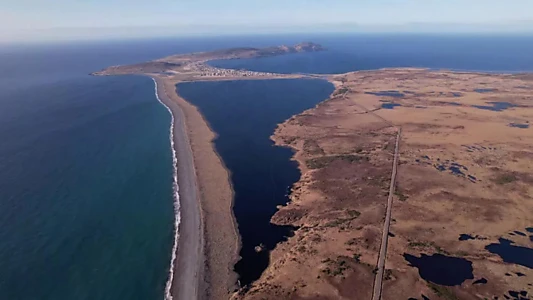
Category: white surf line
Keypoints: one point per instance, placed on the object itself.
(168, 287)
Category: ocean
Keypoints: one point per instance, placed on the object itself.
(86, 199)
(86, 203)
(346, 53)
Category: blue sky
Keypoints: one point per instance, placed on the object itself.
(79, 18)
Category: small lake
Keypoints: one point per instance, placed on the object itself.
(512, 253)
(482, 91)
(466, 237)
(442, 269)
(390, 105)
(245, 114)
(519, 125)
(495, 106)
(394, 94)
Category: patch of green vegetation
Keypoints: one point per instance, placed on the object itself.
(337, 267)
(316, 238)
(289, 140)
(429, 245)
(312, 147)
(505, 178)
(401, 196)
(420, 244)
(326, 271)
(321, 162)
(353, 213)
(335, 223)
(351, 242)
(341, 266)
(340, 91)
(440, 250)
(388, 274)
(442, 291)
(357, 257)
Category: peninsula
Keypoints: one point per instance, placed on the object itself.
(194, 67)
(440, 211)
(204, 208)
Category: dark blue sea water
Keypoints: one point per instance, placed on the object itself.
(344, 54)
(347, 53)
(86, 206)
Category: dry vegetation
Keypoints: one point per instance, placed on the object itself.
(464, 169)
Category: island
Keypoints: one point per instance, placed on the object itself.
(416, 184)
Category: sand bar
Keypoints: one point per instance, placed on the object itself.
(203, 271)
(208, 243)
(190, 254)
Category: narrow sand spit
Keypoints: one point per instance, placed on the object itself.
(203, 265)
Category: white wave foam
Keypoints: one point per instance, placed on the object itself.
(168, 287)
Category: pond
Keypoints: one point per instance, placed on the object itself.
(442, 269)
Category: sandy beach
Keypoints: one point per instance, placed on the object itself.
(202, 270)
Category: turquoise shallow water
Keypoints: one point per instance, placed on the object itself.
(86, 205)
(86, 195)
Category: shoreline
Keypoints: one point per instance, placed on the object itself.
(230, 282)
(215, 274)
(175, 187)
(187, 258)
(200, 270)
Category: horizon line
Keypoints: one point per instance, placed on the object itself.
(212, 34)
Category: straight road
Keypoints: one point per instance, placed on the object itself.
(378, 280)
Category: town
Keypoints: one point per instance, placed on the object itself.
(202, 69)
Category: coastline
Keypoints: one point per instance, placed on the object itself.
(200, 271)
(209, 243)
(187, 256)
(335, 249)
(177, 211)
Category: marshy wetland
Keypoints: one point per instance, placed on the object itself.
(462, 199)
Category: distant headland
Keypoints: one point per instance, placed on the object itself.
(193, 66)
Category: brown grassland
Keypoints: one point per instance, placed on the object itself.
(463, 170)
